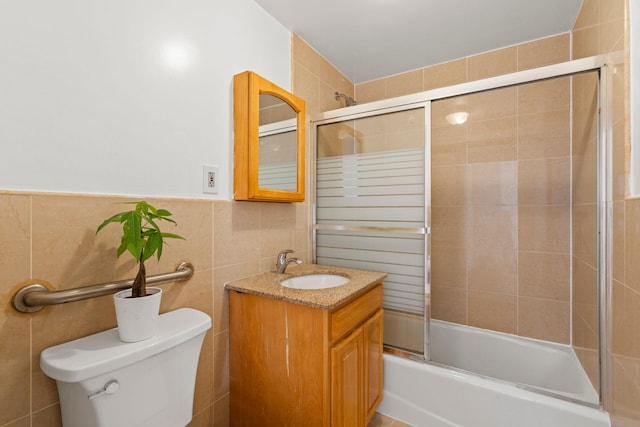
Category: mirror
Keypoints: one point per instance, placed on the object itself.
(269, 141)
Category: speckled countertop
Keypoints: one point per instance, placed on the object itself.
(268, 285)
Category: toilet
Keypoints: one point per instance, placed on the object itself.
(103, 382)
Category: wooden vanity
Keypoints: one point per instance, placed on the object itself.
(305, 357)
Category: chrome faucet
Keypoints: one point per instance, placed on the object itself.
(282, 261)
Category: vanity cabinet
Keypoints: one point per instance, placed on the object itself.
(295, 365)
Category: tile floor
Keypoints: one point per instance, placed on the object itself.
(380, 420)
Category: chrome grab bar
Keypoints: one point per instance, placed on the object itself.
(34, 297)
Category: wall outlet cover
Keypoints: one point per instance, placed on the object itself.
(210, 179)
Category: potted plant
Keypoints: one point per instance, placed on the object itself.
(137, 308)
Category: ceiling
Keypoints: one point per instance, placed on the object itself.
(369, 39)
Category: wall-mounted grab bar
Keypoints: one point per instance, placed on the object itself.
(34, 297)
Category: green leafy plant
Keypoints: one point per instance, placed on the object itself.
(141, 237)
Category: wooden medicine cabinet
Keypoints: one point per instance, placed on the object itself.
(269, 141)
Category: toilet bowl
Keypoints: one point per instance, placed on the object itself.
(104, 382)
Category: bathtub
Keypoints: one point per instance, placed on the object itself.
(430, 395)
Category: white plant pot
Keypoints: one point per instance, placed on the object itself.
(137, 317)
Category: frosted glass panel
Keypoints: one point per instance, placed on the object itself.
(370, 202)
(400, 255)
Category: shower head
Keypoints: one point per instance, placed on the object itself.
(348, 101)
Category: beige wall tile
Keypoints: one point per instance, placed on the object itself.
(449, 304)
(404, 120)
(449, 145)
(584, 169)
(445, 74)
(611, 36)
(585, 238)
(544, 275)
(611, 10)
(544, 135)
(585, 42)
(619, 178)
(584, 283)
(15, 245)
(302, 231)
(494, 104)
(220, 295)
(543, 319)
(632, 245)
(492, 249)
(494, 63)
(543, 228)
(585, 320)
(66, 250)
(49, 417)
(304, 54)
(404, 84)
(492, 184)
(493, 311)
(237, 233)
(448, 185)
(585, 109)
(626, 392)
(306, 86)
(548, 95)
(492, 140)
(221, 365)
(618, 258)
(588, 15)
(626, 321)
(14, 369)
(374, 90)
(195, 224)
(22, 422)
(544, 181)
(547, 51)
(448, 226)
(195, 293)
(276, 232)
(449, 266)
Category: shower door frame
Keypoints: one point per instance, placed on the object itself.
(601, 64)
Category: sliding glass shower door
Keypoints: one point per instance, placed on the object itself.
(371, 212)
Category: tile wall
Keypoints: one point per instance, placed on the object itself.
(602, 27)
(50, 238)
(500, 210)
(500, 192)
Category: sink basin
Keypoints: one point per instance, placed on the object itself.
(315, 281)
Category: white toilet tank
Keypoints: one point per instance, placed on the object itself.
(103, 382)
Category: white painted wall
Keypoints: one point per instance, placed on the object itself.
(127, 96)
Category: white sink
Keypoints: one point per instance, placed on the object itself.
(315, 281)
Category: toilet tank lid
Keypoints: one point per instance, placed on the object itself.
(94, 355)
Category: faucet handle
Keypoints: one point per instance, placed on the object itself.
(282, 255)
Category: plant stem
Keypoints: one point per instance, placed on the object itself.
(139, 288)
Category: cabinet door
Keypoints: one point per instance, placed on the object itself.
(347, 405)
(372, 332)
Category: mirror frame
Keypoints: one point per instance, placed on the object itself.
(247, 88)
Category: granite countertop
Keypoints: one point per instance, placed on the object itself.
(268, 285)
